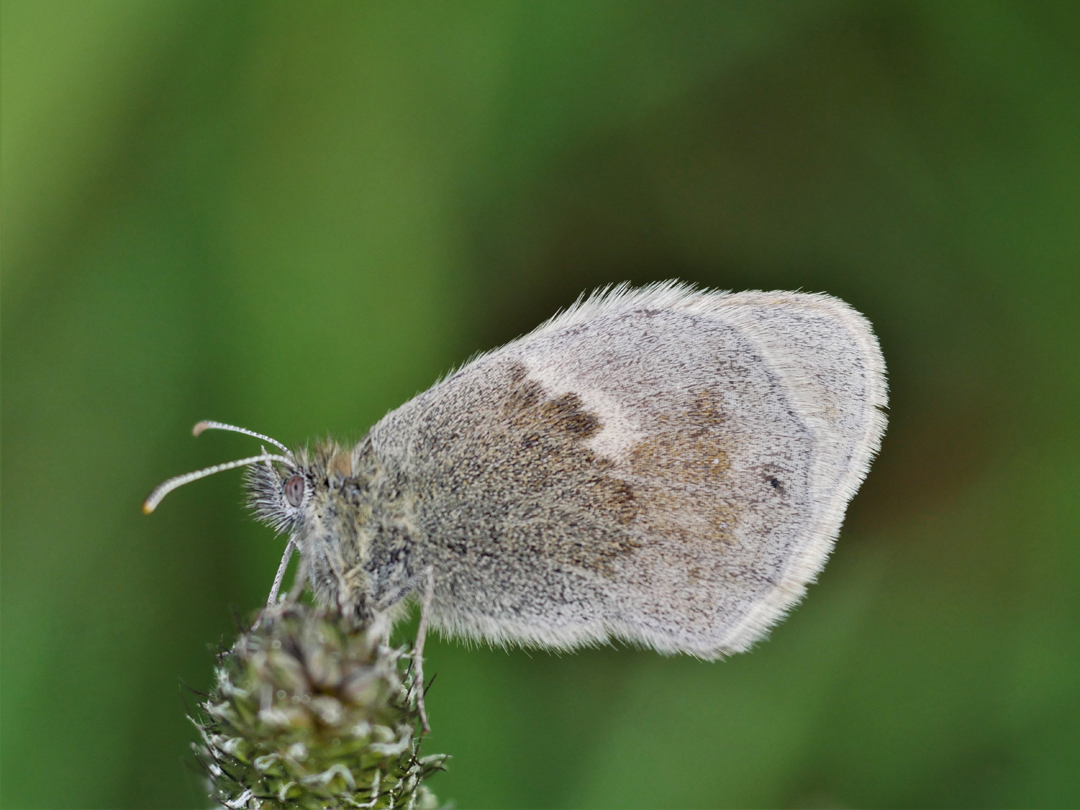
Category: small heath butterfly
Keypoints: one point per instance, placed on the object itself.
(668, 466)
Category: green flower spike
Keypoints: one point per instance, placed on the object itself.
(311, 712)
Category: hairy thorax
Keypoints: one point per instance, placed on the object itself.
(358, 534)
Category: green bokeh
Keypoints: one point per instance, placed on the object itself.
(295, 216)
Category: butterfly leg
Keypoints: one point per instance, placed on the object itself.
(418, 648)
(290, 547)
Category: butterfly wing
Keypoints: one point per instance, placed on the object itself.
(666, 466)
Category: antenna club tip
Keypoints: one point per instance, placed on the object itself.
(147, 507)
(199, 428)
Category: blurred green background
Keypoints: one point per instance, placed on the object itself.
(295, 216)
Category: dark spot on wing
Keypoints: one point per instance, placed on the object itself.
(521, 395)
(566, 414)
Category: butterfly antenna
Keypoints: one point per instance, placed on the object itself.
(210, 425)
(150, 504)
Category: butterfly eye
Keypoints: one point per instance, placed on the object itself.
(294, 490)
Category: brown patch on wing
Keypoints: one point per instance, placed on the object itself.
(692, 448)
(566, 414)
(683, 467)
(554, 460)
